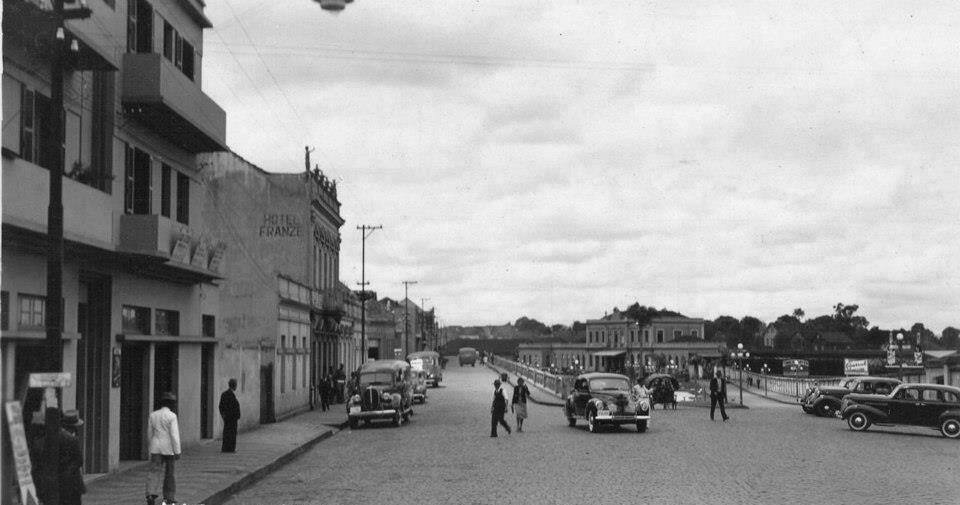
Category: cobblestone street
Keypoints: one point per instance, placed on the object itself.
(770, 453)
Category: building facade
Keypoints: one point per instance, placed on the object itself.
(281, 302)
(140, 304)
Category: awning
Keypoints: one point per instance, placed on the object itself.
(609, 354)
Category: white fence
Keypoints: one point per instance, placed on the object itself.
(558, 384)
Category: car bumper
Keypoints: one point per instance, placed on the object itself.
(371, 414)
(433, 381)
(620, 418)
(419, 396)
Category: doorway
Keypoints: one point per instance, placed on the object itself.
(93, 371)
(266, 394)
(206, 391)
(133, 400)
(165, 368)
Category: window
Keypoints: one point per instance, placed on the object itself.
(136, 320)
(183, 198)
(646, 336)
(4, 310)
(138, 187)
(293, 364)
(304, 379)
(283, 363)
(31, 312)
(209, 325)
(28, 126)
(168, 322)
(165, 180)
(659, 336)
(168, 37)
(932, 395)
(695, 333)
(186, 59)
(676, 334)
(908, 394)
(139, 27)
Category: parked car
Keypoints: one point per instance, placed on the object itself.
(825, 401)
(429, 362)
(467, 356)
(932, 405)
(419, 386)
(605, 399)
(385, 392)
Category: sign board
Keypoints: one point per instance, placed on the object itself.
(416, 364)
(796, 368)
(49, 380)
(115, 367)
(181, 251)
(854, 367)
(21, 453)
(200, 255)
(891, 355)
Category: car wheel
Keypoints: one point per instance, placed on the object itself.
(592, 425)
(826, 409)
(641, 426)
(353, 423)
(950, 427)
(858, 421)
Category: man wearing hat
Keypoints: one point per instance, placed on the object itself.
(498, 409)
(164, 436)
(69, 474)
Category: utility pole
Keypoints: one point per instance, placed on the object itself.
(406, 312)
(54, 304)
(423, 320)
(365, 231)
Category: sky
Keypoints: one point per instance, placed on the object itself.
(555, 159)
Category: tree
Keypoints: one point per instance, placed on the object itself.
(921, 335)
(750, 328)
(798, 314)
(950, 338)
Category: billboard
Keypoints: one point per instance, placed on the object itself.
(796, 367)
(854, 366)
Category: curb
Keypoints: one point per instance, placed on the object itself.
(251, 478)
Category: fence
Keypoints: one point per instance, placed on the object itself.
(558, 384)
(786, 386)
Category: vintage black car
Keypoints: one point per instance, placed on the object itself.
(825, 400)
(385, 392)
(932, 405)
(605, 399)
(663, 388)
(429, 362)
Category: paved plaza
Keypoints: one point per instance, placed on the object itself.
(770, 453)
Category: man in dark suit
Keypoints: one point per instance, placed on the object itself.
(718, 395)
(230, 412)
(69, 472)
(498, 409)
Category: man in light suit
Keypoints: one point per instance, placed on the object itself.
(718, 395)
(164, 436)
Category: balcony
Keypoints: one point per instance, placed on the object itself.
(158, 95)
(172, 249)
(87, 212)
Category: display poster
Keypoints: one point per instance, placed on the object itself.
(854, 366)
(21, 453)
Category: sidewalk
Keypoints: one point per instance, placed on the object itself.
(207, 476)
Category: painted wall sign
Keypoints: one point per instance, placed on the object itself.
(200, 255)
(280, 226)
(49, 380)
(181, 251)
(21, 453)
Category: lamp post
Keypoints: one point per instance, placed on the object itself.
(423, 322)
(765, 370)
(739, 355)
(406, 313)
(899, 359)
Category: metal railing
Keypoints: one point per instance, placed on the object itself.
(780, 385)
(559, 385)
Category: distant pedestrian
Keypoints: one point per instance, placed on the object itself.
(718, 395)
(518, 404)
(639, 390)
(341, 378)
(69, 474)
(325, 393)
(498, 409)
(164, 436)
(230, 412)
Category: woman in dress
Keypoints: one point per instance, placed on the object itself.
(519, 403)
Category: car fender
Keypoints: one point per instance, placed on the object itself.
(876, 414)
(826, 398)
(951, 413)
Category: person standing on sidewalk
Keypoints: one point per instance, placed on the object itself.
(498, 409)
(518, 404)
(164, 435)
(718, 395)
(230, 412)
(71, 460)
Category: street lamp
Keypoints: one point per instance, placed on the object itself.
(899, 359)
(765, 370)
(739, 355)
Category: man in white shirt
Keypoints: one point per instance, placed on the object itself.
(164, 436)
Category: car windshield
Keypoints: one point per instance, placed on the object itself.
(848, 384)
(376, 378)
(609, 383)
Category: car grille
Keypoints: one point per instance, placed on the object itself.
(371, 399)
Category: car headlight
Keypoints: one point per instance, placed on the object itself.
(355, 399)
(385, 396)
(601, 405)
(644, 405)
